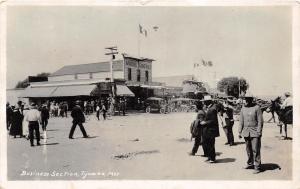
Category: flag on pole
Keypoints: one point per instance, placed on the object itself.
(141, 29)
(209, 63)
(204, 63)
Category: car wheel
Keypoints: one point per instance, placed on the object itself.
(162, 111)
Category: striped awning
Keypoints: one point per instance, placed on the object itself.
(58, 91)
(73, 90)
(37, 92)
(123, 90)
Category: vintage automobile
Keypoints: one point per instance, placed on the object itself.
(155, 104)
(183, 105)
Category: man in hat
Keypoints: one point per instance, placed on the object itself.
(228, 122)
(210, 129)
(78, 119)
(9, 113)
(44, 116)
(251, 125)
(33, 118)
(287, 107)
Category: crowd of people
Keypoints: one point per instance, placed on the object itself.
(210, 114)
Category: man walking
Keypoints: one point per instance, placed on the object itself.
(78, 119)
(33, 117)
(44, 117)
(228, 123)
(251, 124)
(210, 129)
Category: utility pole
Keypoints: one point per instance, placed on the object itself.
(113, 52)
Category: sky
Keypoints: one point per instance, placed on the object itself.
(250, 42)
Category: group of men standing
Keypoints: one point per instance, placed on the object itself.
(251, 125)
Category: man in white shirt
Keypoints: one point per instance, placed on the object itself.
(287, 107)
(33, 117)
(288, 101)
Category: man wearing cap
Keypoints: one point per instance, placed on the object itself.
(78, 119)
(251, 125)
(34, 118)
(210, 129)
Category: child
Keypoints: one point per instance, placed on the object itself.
(196, 131)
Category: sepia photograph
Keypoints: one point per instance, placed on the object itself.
(98, 93)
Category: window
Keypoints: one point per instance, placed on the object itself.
(138, 75)
(76, 76)
(91, 75)
(129, 74)
(147, 76)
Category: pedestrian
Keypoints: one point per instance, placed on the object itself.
(16, 122)
(9, 113)
(44, 117)
(272, 110)
(286, 108)
(56, 108)
(98, 112)
(78, 119)
(196, 131)
(52, 109)
(33, 117)
(251, 125)
(210, 129)
(227, 122)
(103, 110)
(65, 107)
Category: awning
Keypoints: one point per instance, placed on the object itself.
(123, 90)
(37, 92)
(73, 90)
(153, 86)
(187, 88)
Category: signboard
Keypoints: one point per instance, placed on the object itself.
(138, 64)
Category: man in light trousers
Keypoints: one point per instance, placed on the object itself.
(251, 125)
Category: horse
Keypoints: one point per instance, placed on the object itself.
(285, 116)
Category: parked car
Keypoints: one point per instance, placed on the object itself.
(183, 105)
(154, 104)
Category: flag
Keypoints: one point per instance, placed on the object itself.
(141, 29)
(209, 63)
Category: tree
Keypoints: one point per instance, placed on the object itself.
(233, 86)
(25, 82)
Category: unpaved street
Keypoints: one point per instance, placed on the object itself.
(141, 146)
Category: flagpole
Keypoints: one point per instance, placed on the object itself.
(139, 40)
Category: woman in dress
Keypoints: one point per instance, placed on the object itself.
(16, 123)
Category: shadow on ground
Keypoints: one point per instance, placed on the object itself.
(90, 137)
(49, 144)
(225, 160)
(269, 167)
(239, 143)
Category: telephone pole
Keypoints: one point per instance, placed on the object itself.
(113, 52)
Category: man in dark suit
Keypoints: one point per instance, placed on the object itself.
(78, 119)
(44, 117)
(251, 124)
(210, 129)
